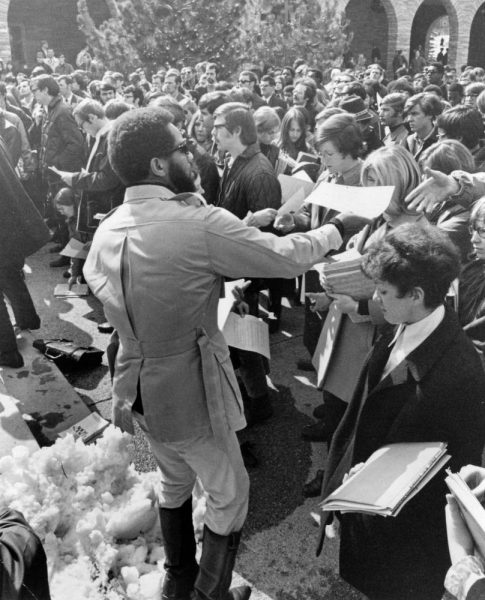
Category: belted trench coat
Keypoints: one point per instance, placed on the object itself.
(158, 266)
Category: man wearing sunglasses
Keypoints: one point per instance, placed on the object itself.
(157, 263)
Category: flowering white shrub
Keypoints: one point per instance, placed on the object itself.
(96, 515)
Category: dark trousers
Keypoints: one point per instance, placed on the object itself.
(313, 323)
(12, 285)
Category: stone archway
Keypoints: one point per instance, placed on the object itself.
(476, 49)
(427, 14)
(28, 22)
(374, 24)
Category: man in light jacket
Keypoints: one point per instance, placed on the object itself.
(157, 263)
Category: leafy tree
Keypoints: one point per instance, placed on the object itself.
(279, 32)
(152, 33)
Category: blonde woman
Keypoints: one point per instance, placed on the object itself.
(351, 326)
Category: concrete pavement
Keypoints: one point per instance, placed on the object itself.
(277, 554)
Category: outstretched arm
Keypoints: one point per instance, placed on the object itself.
(464, 188)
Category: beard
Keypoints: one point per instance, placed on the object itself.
(181, 180)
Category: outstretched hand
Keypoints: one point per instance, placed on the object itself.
(319, 302)
(435, 189)
(240, 305)
(261, 218)
(345, 304)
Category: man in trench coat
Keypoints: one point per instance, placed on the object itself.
(157, 263)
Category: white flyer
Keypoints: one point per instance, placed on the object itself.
(247, 333)
(292, 183)
(367, 202)
(293, 204)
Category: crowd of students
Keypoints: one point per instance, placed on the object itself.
(347, 127)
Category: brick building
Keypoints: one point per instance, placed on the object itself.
(406, 25)
(25, 23)
(384, 24)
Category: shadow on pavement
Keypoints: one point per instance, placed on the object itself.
(284, 464)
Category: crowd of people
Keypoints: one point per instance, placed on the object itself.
(172, 184)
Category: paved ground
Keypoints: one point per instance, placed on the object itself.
(278, 550)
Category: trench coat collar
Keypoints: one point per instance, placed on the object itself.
(147, 190)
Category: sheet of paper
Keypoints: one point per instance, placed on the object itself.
(248, 333)
(290, 184)
(79, 290)
(293, 204)
(367, 202)
(304, 177)
(87, 429)
(226, 303)
(75, 249)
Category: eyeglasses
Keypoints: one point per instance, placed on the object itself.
(480, 230)
(244, 81)
(182, 147)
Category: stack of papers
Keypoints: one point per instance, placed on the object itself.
(342, 274)
(389, 479)
(78, 290)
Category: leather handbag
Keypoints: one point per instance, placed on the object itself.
(67, 354)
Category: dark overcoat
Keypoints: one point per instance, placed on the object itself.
(436, 394)
(22, 229)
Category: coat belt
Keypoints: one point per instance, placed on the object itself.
(214, 358)
(161, 348)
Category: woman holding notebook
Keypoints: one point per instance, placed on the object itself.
(422, 382)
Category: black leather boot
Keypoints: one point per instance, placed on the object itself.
(215, 568)
(179, 544)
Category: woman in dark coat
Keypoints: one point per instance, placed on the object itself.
(434, 393)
